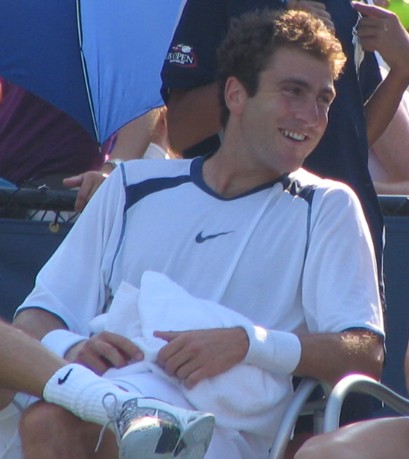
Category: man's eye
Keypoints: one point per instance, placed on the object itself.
(294, 90)
(325, 100)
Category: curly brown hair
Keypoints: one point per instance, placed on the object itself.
(253, 38)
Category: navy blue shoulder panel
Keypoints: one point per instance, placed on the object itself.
(138, 191)
(307, 193)
(304, 192)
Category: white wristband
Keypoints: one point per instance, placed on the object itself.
(60, 341)
(275, 351)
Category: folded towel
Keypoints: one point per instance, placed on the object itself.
(245, 398)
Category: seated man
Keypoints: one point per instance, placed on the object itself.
(246, 230)
(374, 439)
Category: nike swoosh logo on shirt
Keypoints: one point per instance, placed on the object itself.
(200, 238)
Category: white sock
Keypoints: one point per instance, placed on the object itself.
(81, 391)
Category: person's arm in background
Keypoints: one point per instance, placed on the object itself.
(389, 156)
(380, 30)
(391, 188)
(131, 143)
(388, 130)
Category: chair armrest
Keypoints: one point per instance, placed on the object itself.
(297, 406)
(364, 385)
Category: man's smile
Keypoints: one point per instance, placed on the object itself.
(293, 135)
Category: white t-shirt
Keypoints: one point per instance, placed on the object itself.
(248, 253)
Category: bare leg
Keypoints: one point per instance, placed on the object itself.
(51, 432)
(295, 444)
(377, 439)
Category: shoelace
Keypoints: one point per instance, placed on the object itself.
(131, 408)
(113, 411)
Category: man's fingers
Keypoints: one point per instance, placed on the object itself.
(84, 194)
(194, 378)
(372, 10)
(78, 181)
(74, 181)
(185, 371)
(125, 346)
(173, 365)
(181, 363)
(88, 183)
(94, 362)
(169, 351)
(166, 335)
(108, 350)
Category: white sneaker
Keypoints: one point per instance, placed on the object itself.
(149, 428)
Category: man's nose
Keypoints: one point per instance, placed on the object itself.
(312, 114)
(309, 112)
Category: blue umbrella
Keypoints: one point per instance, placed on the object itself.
(97, 60)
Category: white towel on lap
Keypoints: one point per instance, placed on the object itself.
(245, 398)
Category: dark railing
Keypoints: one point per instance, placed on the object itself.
(44, 198)
(37, 198)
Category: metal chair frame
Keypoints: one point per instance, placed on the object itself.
(364, 385)
(300, 406)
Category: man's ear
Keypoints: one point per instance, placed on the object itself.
(235, 96)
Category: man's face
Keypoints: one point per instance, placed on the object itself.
(288, 115)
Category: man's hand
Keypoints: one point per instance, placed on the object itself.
(195, 355)
(104, 351)
(88, 183)
(380, 30)
(382, 3)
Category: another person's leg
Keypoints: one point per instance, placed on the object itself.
(376, 439)
(49, 431)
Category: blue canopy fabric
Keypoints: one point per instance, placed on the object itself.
(129, 41)
(108, 80)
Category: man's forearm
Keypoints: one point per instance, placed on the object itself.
(329, 356)
(37, 322)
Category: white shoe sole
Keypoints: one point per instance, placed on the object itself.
(195, 440)
(142, 443)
